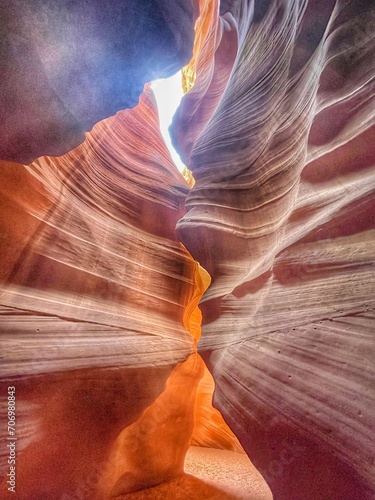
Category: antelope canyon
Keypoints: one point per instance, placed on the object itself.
(199, 335)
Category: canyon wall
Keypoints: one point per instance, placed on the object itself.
(97, 299)
(280, 140)
(99, 319)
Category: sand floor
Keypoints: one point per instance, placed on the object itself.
(210, 474)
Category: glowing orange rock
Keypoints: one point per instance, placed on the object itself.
(210, 429)
(99, 300)
(94, 287)
(153, 449)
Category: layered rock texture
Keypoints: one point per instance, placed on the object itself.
(99, 293)
(280, 141)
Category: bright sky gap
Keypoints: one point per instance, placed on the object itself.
(168, 93)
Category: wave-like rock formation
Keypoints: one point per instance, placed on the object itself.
(94, 301)
(99, 317)
(280, 141)
(90, 237)
(100, 320)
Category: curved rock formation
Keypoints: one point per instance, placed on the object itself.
(99, 298)
(282, 217)
(90, 237)
(99, 302)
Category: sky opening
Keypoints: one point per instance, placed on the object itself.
(168, 93)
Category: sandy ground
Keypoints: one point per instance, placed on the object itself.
(210, 474)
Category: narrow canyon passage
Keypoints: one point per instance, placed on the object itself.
(206, 335)
(106, 412)
(110, 412)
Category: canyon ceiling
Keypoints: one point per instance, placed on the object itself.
(106, 250)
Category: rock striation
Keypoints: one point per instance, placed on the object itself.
(282, 217)
(100, 318)
(99, 295)
(98, 305)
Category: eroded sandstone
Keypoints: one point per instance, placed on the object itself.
(99, 298)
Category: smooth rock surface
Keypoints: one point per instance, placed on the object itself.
(282, 217)
(99, 319)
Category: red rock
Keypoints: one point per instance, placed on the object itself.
(98, 295)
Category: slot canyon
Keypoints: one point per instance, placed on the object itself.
(199, 335)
